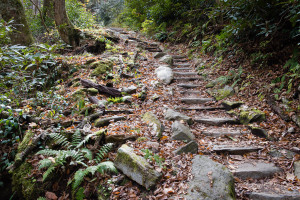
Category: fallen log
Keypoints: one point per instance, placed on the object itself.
(107, 91)
(277, 109)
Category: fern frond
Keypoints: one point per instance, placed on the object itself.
(78, 178)
(87, 153)
(106, 166)
(85, 140)
(60, 140)
(48, 152)
(41, 198)
(103, 152)
(45, 163)
(48, 172)
(80, 194)
(76, 138)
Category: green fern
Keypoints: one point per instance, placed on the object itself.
(87, 153)
(85, 140)
(76, 138)
(60, 140)
(103, 167)
(80, 194)
(103, 152)
(48, 152)
(41, 198)
(45, 163)
(48, 172)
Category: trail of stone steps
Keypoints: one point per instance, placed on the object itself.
(216, 180)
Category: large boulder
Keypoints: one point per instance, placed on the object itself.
(181, 132)
(165, 74)
(212, 181)
(136, 167)
(191, 147)
(249, 116)
(154, 122)
(172, 115)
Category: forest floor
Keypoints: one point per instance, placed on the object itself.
(279, 147)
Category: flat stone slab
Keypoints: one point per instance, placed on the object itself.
(181, 65)
(268, 196)
(178, 57)
(182, 69)
(234, 150)
(199, 108)
(136, 167)
(211, 181)
(221, 132)
(190, 92)
(185, 73)
(297, 169)
(196, 100)
(216, 121)
(188, 85)
(256, 170)
(187, 78)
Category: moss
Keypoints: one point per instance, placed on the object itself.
(79, 94)
(231, 189)
(149, 117)
(25, 187)
(26, 141)
(223, 93)
(92, 91)
(101, 67)
(247, 117)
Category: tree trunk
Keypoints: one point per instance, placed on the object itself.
(68, 33)
(13, 9)
(48, 10)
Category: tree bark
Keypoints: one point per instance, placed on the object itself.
(48, 10)
(68, 33)
(108, 91)
(13, 9)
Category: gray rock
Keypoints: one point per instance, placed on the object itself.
(182, 65)
(267, 196)
(196, 100)
(223, 93)
(154, 122)
(291, 130)
(188, 86)
(282, 153)
(136, 167)
(185, 73)
(221, 132)
(106, 121)
(129, 90)
(216, 121)
(249, 116)
(165, 74)
(191, 147)
(297, 169)
(234, 150)
(212, 181)
(181, 132)
(172, 115)
(159, 55)
(228, 105)
(256, 170)
(167, 59)
(188, 78)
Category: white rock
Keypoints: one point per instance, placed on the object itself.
(165, 74)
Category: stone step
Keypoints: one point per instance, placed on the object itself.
(178, 57)
(256, 170)
(187, 78)
(180, 60)
(234, 150)
(199, 108)
(272, 196)
(190, 92)
(181, 65)
(153, 49)
(186, 73)
(222, 132)
(182, 69)
(188, 85)
(216, 121)
(196, 100)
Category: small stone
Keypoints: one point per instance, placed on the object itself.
(129, 90)
(228, 105)
(167, 59)
(181, 132)
(297, 169)
(191, 147)
(154, 146)
(172, 115)
(136, 167)
(291, 130)
(154, 122)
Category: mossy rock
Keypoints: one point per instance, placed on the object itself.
(228, 105)
(26, 141)
(92, 91)
(25, 187)
(157, 126)
(79, 94)
(249, 116)
(101, 67)
(220, 94)
(89, 109)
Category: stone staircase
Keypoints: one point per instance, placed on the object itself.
(236, 146)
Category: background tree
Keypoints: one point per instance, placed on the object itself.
(13, 9)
